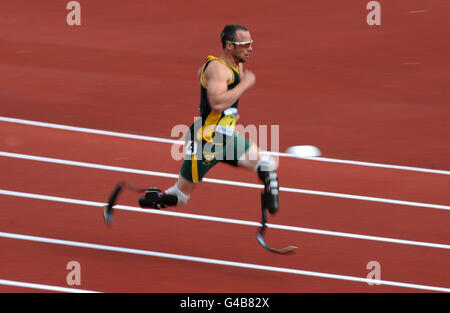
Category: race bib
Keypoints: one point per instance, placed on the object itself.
(227, 123)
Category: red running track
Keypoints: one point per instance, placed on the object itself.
(376, 94)
(114, 271)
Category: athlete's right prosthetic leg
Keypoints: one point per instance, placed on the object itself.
(269, 200)
(154, 198)
(266, 172)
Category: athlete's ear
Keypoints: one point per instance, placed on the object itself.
(228, 45)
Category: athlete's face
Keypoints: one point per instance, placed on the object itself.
(241, 52)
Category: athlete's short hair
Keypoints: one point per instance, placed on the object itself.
(229, 33)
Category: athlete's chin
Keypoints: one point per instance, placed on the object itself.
(244, 59)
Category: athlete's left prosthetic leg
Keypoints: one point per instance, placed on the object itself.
(152, 198)
(156, 199)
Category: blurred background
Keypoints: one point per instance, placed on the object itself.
(358, 92)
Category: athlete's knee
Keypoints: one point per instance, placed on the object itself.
(264, 166)
(174, 191)
(266, 169)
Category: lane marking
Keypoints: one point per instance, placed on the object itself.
(217, 261)
(223, 220)
(89, 130)
(43, 287)
(220, 181)
(181, 142)
(417, 11)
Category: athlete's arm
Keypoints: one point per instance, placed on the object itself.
(220, 98)
(199, 72)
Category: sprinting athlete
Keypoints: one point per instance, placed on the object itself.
(212, 138)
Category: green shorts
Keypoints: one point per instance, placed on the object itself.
(201, 156)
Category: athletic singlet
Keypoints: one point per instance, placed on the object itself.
(224, 122)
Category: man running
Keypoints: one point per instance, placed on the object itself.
(212, 138)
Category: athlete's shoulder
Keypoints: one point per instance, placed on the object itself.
(216, 63)
(217, 69)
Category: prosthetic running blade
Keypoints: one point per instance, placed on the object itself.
(108, 210)
(260, 235)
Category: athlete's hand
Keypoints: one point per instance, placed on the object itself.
(248, 78)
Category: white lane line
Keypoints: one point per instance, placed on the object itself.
(43, 287)
(218, 262)
(180, 142)
(224, 220)
(220, 181)
(88, 130)
(360, 163)
(417, 11)
(367, 198)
